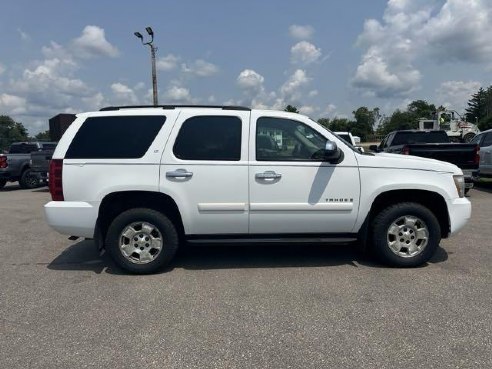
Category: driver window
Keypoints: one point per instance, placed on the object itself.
(279, 139)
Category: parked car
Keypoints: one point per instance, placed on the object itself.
(40, 163)
(484, 140)
(15, 165)
(352, 140)
(433, 145)
(142, 180)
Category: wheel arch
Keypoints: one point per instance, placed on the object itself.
(115, 203)
(431, 200)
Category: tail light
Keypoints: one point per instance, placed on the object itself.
(476, 158)
(405, 150)
(56, 179)
(3, 162)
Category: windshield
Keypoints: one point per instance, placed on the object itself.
(403, 138)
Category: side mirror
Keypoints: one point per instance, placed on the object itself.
(374, 148)
(331, 153)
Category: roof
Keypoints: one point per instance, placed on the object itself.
(223, 107)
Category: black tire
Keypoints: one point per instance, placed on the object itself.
(468, 137)
(385, 219)
(28, 180)
(467, 190)
(3, 182)
(164, 225)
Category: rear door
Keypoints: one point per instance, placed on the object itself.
(486, 154)
(205, 170)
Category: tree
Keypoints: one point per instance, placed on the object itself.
(421, 109)
(291, 109)
(476, 109)
(11, 131)
(399, 120)
(364, 122)
(340, 125)
(43, 136)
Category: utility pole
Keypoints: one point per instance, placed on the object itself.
(153, 49)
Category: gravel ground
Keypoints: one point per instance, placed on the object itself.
(63, 306)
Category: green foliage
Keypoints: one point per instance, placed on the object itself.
(485, 123)
(409, 118)
(364, 121)
(11, 131)
(291, 109)
(476, 109)
(43, 136)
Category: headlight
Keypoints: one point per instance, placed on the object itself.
(459, 181)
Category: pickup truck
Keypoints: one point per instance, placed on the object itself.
(142, 181)
(433, 144)
(16, 164)
(352, 140)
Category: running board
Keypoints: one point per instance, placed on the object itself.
(212, 240)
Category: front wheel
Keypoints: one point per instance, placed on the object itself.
(405, 235)
(468, 137)
(142, 241)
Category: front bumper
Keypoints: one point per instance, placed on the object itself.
(72, 218)
(459, 213)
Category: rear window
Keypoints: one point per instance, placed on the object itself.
(23, 148)
(119, 137)
(403, 138)
(49, 146)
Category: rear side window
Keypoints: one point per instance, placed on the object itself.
(403, 138)
(487, 141)
(119, 137)
(209, 138)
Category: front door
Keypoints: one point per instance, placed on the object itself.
(291, 190)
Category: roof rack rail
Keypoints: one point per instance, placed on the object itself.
(223, 107)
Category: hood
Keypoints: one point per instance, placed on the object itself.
(386, 160)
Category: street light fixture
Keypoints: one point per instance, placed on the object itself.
(153, 49)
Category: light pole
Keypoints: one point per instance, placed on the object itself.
(152, 53)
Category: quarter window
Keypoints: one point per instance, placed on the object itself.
(117, 137)
(280, 139)
(487, 140)
(209, 138)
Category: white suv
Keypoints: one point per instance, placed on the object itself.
(142, 180)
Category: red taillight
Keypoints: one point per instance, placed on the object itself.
(405, 150)
(476, 158)
(3, 162)
(55, 178)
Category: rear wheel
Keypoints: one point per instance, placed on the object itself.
(142, 240)
(3, 182)
(468, 137)
(28, 180)
(405, 235)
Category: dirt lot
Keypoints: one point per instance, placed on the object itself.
(62, 306)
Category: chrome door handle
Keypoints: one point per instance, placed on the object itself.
(179, 173)
(270, 174)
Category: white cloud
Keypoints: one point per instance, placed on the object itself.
(23, 35)
(308, 109)
(12, 104)
(93, 43)
(167, 63)
(178, 94)
(301, 32)
(291, 89)
(455, 94)
(313, 93)
(94, 102)
(248, 79)
(2, 69)
(304, 53)
(419, 31)
(200, 68)
(123, 94)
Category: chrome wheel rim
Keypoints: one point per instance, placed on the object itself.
(408, 236)
(141, 242)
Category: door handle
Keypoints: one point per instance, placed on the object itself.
(179, 173)
(270, 174)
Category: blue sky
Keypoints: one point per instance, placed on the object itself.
(326, 57)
